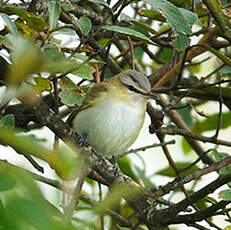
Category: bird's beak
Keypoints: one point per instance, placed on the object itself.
(152, 95)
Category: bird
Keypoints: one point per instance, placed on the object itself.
(112, 113)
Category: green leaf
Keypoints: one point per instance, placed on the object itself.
(127, 31)
(219, 156)
(84, 25)
(146, 181)
(101, 2)
(30, 145)
(186, 147)
(152, 14)
(23, 206)
(7, 122)
(113, 198)
(126, 18)
(86, 58)
(71, 97)
(26, 60)
(185, 112)
(11, 26)
(85, 71)
(181, 42)
(71, 94)
(67, 83)
(42, 84)
(226, 71)
(126, 167)
(54, 13)
(57, 62)
(210, 123)
(7, 181)
(190, 17)
(173, 15)
(225, 194)
(170, 172)
(35, 22)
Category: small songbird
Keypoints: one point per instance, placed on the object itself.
(112, 114)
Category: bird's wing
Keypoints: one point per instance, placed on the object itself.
(89, 100)
(93, 94)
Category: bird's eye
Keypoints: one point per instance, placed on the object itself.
(132, 88)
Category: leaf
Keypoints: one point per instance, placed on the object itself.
(185, 112)
(152, 14)
(219, 156)
(85, 58)
(30, 145)
(85, 71)
(84, 25)
(7, 181)
(25, 205)
(173, 15)
(113, 198)
(225, 194)
(190, 17)
(71, 97)
(54, 13)
(42, 84)
(12, 28)
(26, 60)
(7, 122)
(168, 171)
(127, 31)
(35, 22)
(147, 182)
(181, 42)
(67, 83)
(210, 123)
(126, 167)
(57, 62)
(101, 2)
(186, 147)
(126, 18)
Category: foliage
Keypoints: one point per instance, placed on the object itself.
(44, 78)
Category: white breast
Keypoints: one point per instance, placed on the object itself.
(111, 126)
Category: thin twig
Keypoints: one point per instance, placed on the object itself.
(145, 148)
(131, 52)
(176, 183)
(173, 130)
(219, 122)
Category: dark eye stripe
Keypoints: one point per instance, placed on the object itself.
(132, 88)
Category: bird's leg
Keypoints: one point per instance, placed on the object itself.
(83, 139)
(114, 162)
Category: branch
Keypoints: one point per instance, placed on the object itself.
(169, 214)
(200, 215)
(178, 182)
(219, 17)
(173, 130)
(177, 119)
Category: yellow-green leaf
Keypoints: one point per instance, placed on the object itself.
(42, 84)
(26, 60)
(54, 13)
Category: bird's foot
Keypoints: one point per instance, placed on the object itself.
(83, 139)
(117, 168)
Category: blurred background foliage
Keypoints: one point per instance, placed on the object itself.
(55, 49)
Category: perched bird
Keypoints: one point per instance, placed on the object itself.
(112, 114)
